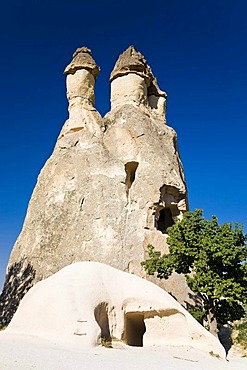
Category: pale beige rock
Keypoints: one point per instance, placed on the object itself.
(157, 99)
(82, 117)
(87, 301)
(81, 74)
(130, 88)
(110, 187)
(81, 85)
(134, 83)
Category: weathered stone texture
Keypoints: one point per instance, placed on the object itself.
(82, 59)
(112, 185)
(131, 61)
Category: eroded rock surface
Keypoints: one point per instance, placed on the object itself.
(112, 184)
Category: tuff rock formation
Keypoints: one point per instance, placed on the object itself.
(86, 308)
(111, 186)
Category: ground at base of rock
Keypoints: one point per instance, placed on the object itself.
(26, 352)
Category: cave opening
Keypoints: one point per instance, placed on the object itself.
(165, 220)
(134, 329)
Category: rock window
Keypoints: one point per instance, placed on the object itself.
(164, 220)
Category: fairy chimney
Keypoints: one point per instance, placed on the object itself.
(111, 186)
(133, 82)
(81, 74)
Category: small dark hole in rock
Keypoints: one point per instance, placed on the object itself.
(165, 220)
(130, 169)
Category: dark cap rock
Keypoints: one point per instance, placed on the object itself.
(132, 61)
(82, 59)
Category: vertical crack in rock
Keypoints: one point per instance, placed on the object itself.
(81, 204)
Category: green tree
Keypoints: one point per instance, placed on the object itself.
(213, 260)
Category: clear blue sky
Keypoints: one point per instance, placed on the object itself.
(197, 50)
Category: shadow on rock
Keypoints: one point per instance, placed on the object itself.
(18, 281)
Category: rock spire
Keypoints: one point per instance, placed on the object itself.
(133, 82)
(80, 80)
(111, 186)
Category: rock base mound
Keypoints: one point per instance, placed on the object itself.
(88, 303)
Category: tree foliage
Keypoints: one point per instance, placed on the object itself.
(213, 260)
(241, 328)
